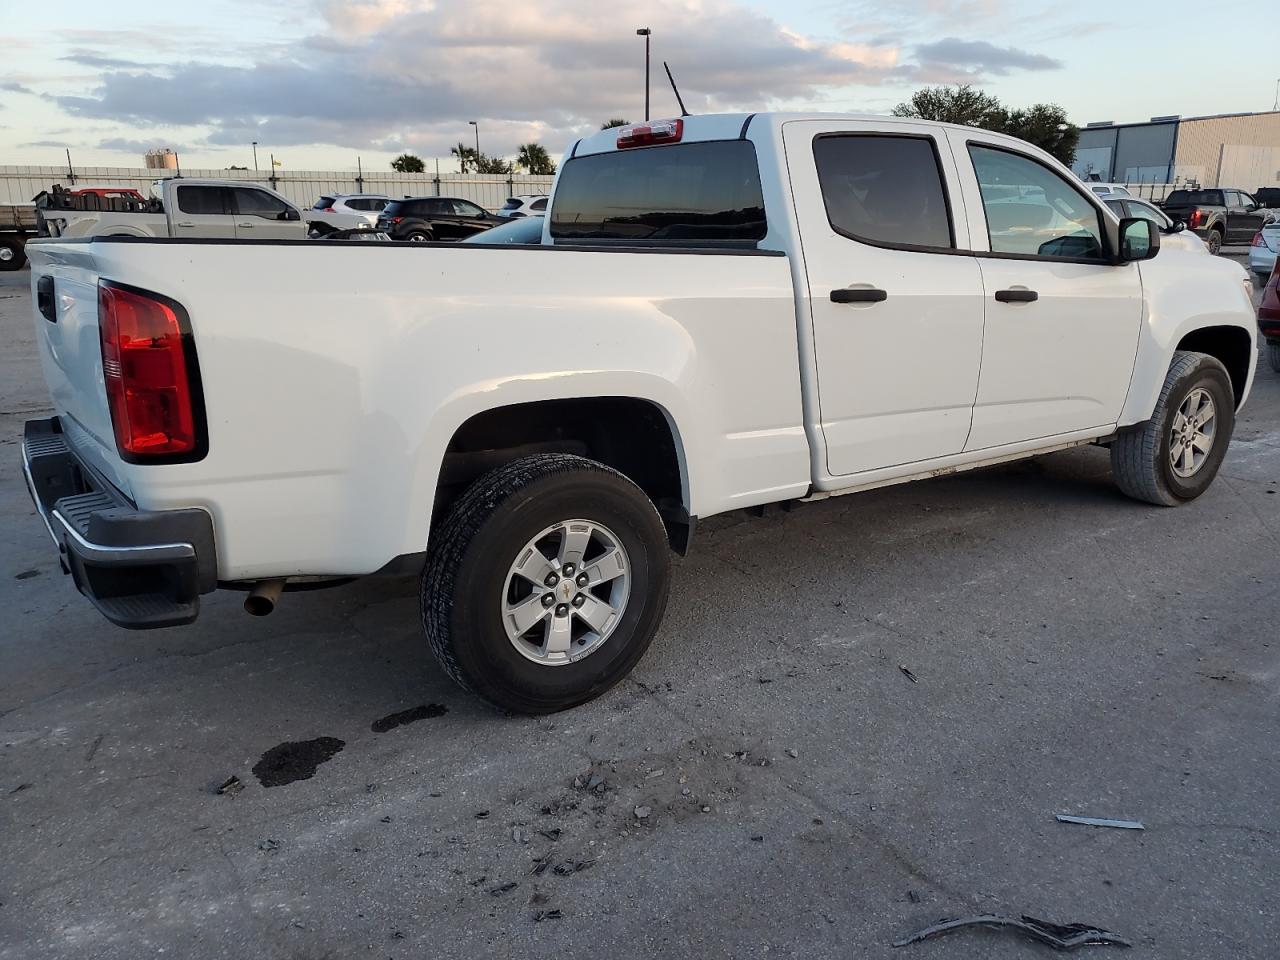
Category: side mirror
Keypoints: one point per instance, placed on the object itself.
(1139, 240)
(1178, 226)
(290, 214)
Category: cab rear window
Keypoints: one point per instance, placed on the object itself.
(704, 194)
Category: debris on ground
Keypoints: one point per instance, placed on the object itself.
(570, 867)
(1059, 936)
(642, 812)
(503, 888)
(268, 845)
(482, 814)
(1101, 822)
(792, 753)
(553, 834)
(230, 787)
(908, 674)
(547, 915)
(26, 786)
(412, 715)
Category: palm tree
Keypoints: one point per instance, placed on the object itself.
(466, 155)
(615, 122)
(408, 163)
(535, 159)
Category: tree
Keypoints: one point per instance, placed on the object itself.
(615, 122)
(234, 167)
(960, 104)
(1043, 124)
(466, 155)
(487, 164)
(408, 163)
(535, 159)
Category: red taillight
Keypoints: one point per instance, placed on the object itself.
(149, 381)
(396, 219)
(1258, 241)
(327, 210)
(1197, 217)
(648, 134)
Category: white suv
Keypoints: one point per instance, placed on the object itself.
(525, 205)
(346, 211)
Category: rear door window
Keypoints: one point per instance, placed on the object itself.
(540, 204)
(704, 193)
(885, 190)
(1032, 211)
(203, 201)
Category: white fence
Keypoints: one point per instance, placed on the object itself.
(303, 187)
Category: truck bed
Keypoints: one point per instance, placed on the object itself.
(329, 414)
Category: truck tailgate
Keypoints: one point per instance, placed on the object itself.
(64, 293)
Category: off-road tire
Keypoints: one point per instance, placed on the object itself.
(1214, 241)
(1140, 454)
(472, 551)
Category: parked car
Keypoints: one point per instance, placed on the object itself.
(525, 230)
(1269, 317)
(345, 211)
(187, 207)
(1110, 189)
(1269, 197)
(721, 319)
(1174, 233)
(525, 205)
(1263, 249)
(423, 219)
(1218, 216)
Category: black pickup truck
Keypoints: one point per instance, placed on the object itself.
(1218, 215)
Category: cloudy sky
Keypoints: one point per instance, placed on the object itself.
(319, 82)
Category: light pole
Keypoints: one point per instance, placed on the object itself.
(477, 126)
(255, 156)
(646, 33)
(1276, 105)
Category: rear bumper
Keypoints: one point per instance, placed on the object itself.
(141, 569)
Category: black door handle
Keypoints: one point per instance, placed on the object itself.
(44, 299)
(1017, 296)
(864, 295)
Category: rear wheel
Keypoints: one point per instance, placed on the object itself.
(546, 583)
(419, 236)
(12, 256)
(1214, 241)
(1174, 456)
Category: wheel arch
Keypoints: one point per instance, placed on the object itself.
(1231, 346)
(634, 434)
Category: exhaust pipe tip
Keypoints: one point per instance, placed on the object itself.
(263, 598)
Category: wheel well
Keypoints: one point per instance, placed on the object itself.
(1231, 346)
(633, 436)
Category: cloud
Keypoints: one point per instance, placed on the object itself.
(396, 74)
(12, 86)
(984, 57)
(90, 58)
(125, 145)
(61, 144)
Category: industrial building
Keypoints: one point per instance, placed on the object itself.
(1228, 150)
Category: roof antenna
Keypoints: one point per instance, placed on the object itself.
(675, 89)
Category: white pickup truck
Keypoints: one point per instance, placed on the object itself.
(725, 312)
(190, 208)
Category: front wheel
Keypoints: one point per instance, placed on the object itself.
(545, 584)
(1174, 456)
(419, 236)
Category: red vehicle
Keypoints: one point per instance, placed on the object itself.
(1269, 317)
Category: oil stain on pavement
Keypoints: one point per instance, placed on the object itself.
(295, 760)
(424, 712)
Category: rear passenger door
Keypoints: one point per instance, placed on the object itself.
(264, 216)
(896, 303)
(1244, 219)
(202, 211)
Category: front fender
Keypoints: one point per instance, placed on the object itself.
(1184, 291)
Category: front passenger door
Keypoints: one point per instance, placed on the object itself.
(264, 216)
(1062, 322)
(1243, 217)
(471, 218)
